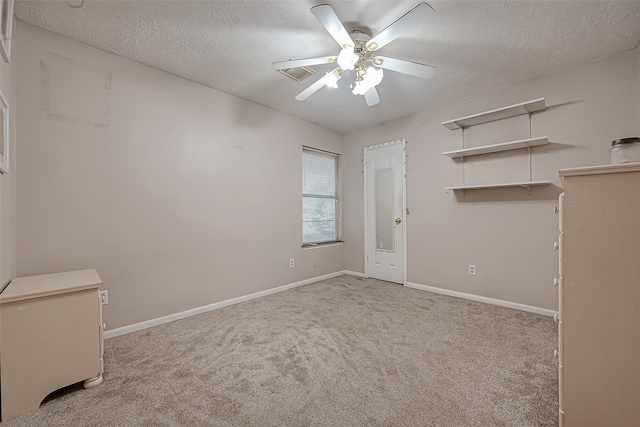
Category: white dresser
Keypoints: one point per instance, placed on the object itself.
(599, 296)
(51, 336)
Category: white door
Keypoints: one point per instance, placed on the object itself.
(385, 213)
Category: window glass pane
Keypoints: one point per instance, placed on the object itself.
(319, 197)
(318, 173)
(319, 219)
(318, 209)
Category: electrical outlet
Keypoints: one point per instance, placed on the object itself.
(291, 263)
(104, 297)
(472, 269)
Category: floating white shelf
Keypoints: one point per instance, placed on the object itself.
(497, 114)
(526, 184)
(494, 148)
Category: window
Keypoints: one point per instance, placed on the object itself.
(320, 222)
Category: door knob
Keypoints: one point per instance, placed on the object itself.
(398, 220)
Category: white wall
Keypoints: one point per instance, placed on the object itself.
(179, 195)
(8, 181)
(506, 233)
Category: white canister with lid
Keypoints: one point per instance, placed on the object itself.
(625, 150)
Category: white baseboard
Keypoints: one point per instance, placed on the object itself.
(176, 316)
(486, 300)
(353, 273)
(188, 313)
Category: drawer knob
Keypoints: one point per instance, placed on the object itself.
(555, 281)
(556, 353)
(556, 210)
(556, 317)
(556, 246)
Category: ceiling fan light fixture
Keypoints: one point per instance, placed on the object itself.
(369, 77)
(356, 50)
(347, 58)
(332, 77)
(359, 89)
(373, 76)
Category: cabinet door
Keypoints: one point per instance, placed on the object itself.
(600, 300)
(101, 333)
(47, 343)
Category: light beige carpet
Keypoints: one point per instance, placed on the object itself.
(342, 352)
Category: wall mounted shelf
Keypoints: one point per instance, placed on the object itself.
(494, 148)
(526, 184)
(497, 114)
(522, 108)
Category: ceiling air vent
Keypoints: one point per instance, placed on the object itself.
(298, 73)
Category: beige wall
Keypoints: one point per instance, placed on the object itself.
(8, 181)
(506, 233)
(637, 91)
(179, 195)
(182, 196)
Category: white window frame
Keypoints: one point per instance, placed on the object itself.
(336, 197)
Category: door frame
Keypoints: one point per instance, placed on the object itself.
(402, 142)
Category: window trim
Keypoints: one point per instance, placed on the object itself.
(306, 246)
(337, 198)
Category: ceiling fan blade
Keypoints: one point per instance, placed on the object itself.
(294, 63)
(407, 67)
(406, 23)
(371, 96)
(319, 84)
(328, 18)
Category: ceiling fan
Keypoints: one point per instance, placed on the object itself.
(356, 53)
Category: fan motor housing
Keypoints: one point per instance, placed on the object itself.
(360, 40)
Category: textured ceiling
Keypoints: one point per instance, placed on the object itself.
(477, 46)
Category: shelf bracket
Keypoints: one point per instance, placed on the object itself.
(529, 155)
(462, 161)
(528, 187)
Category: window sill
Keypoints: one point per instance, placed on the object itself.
(308, 246)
